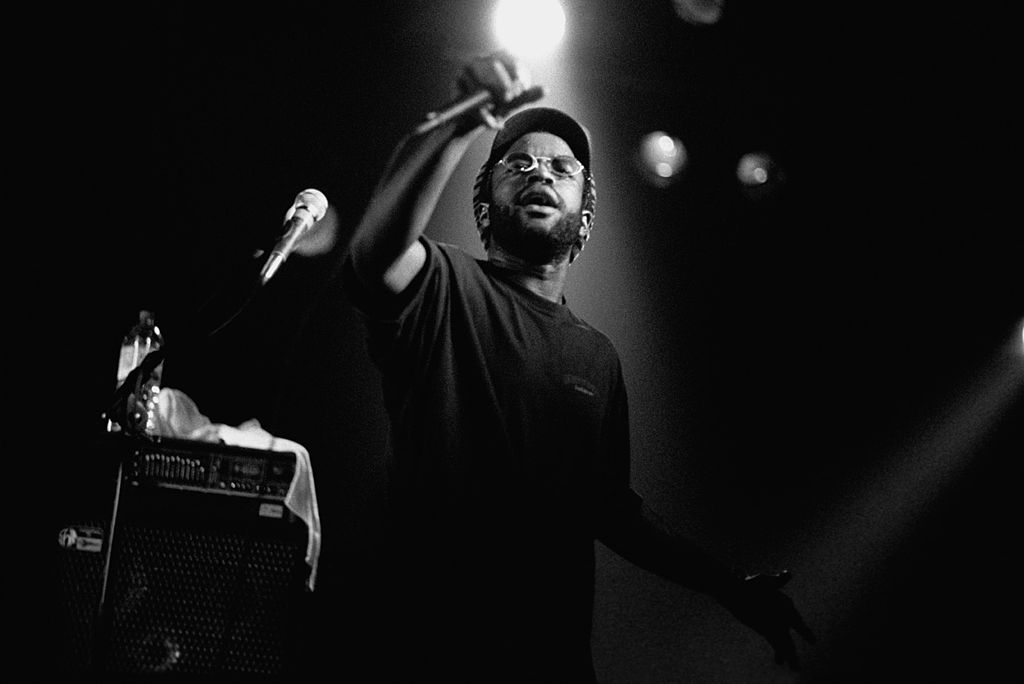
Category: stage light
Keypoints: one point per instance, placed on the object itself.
(760, 176)
(755, 168)
(529, 28)
(662, 158)
(699, 12)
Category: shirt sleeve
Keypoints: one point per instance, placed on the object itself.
(380, 304)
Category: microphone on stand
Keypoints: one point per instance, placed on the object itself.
(475, 101)
(309, 207)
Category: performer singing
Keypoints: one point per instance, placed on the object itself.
(510, 424)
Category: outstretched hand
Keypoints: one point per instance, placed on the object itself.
(759, 603)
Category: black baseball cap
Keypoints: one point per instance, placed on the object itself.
(543, 119)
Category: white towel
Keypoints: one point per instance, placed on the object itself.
(178, 416)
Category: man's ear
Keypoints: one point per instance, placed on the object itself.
(483, 216)
(483, 222)
(586, 221)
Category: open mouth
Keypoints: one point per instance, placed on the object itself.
(539, 203)
(537, 198)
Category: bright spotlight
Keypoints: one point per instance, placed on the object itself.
(529, 28)
(699, 12)
(662, 158)
(754, 168)
(759, 174)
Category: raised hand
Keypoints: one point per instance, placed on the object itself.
(758, 602)
(505, 78)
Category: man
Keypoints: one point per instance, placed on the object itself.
(510, 423)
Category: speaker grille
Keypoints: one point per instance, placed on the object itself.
(194, 601)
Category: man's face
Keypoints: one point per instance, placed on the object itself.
(536, 214)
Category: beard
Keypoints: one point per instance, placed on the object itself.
(537, 247)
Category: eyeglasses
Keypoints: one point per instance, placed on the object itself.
(562, 166)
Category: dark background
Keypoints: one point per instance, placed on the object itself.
(808, 366)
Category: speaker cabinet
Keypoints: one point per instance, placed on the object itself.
(197, 567)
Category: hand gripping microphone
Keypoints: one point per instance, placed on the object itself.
(482, 98)
(309, 207)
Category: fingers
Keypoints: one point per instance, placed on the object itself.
(488, 118)
(796, 620)
(785, 647)
(801, 628)
(771, 580)
(509, 86)
(779, 579)
(505, 78)
(785, 651)
(503, 75)
(773, 614)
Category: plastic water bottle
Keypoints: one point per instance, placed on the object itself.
(143, 338)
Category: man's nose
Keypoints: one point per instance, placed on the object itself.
(541, 173)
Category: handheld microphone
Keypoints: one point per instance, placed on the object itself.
(475, 101)
(309, 207)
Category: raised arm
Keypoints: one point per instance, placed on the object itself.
(385, 251)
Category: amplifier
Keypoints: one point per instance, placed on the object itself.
(196, 565)
(186, 465)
